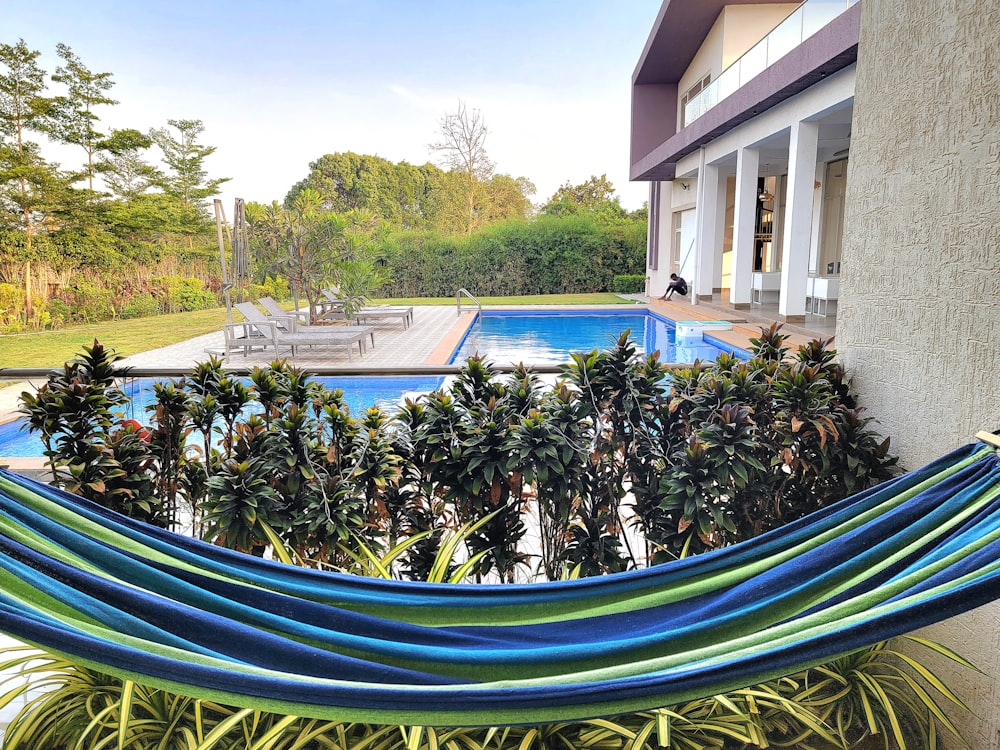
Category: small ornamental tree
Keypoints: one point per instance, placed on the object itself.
(756, 444)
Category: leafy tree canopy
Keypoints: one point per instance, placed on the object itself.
(315, 248)
(122, 166)
(346, 181)
(72, 119)
(595, 196)
(409, 196)
(185, 158)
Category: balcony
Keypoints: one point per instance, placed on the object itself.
(801, 24)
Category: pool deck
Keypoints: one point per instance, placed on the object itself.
(429, 341)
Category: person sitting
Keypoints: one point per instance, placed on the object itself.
(677, 284)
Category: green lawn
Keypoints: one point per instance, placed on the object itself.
(52, 348)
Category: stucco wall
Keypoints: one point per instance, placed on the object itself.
(919, 321)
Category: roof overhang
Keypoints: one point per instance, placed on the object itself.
(832, 48)
(680, 28)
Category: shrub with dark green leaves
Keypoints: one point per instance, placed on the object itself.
(757, 444)
(691, 459)
(629, 284)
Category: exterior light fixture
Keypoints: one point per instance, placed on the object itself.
(764, 196)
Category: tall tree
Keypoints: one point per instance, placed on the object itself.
(26, 181)
(22, 108)
(463, 151)
(348, 181)
(509, 198)
(121, 165)
(72, 119)
(185, 157)
(187, 181)
(315, 248)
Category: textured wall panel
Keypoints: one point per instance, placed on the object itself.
(919, 317)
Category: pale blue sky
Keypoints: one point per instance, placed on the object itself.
(279, 84)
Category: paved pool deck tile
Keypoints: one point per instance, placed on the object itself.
(394, 346)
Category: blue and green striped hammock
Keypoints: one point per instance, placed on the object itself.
(141, 603)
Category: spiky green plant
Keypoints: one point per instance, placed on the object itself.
(879, 691)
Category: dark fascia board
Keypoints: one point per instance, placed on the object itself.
(832, 48)
(680, 28)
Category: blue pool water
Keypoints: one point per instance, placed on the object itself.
(505, 337)
(549, 337)
(360, 393)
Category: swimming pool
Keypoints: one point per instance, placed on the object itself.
(360, 393)
(550, 336)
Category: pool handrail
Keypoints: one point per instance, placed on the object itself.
(458, 300)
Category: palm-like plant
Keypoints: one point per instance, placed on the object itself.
(879, 691)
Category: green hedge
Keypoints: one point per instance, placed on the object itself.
(629, 284)
(549, 255)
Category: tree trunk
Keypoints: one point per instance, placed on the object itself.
(28, 311)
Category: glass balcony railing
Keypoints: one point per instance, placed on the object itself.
(803, 22)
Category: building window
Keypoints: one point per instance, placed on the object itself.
(691, 93)
(684, 225)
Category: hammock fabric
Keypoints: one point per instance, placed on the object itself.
(144, 604)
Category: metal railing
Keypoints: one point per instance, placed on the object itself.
(458, 300)
(801, 24)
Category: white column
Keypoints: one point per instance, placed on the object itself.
(802, 155)
(711, 217)
(665, 237)
(814, 238)
(652, 236)
(744, 224)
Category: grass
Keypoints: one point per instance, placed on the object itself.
(52, 348)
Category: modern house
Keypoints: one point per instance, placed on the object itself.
(741, 123)
(909, 246)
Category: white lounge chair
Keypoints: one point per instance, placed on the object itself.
(274, 310)
(288, 323)
(248, 336)
(330, 302)
(260, 332)
(297, 320)
(368, 313)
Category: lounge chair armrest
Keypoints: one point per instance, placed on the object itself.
(248, 329)
(290, 321)
(236, 330)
